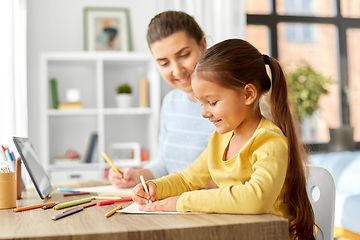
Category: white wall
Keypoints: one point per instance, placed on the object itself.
(57, 25)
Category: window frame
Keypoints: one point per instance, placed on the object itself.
(341, 23)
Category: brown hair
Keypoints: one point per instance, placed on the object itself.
(166, 23)
(234, 63)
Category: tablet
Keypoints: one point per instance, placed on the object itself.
(31, 161)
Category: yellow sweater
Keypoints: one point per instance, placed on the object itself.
(252, 182)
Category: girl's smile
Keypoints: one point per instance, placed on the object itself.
(228, 109)
(215, 122)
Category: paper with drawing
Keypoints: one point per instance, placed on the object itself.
(134, 208)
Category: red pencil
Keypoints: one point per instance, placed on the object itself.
(3, 152)
(83, 205)
(112, 201)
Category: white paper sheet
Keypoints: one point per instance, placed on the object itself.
(110, 189)
(134, 208)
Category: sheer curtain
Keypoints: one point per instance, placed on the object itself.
(13, 86)
(219, 19)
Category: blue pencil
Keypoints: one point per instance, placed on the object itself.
(68, 213)
(9, 159)
(66, 190)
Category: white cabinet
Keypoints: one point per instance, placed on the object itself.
(96, 75)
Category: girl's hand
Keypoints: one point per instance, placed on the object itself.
(131, 176)
(166, 205)
(141, 197)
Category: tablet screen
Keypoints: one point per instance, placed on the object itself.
(31, 161)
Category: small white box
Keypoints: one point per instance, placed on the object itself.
(126, 154)
(73, 95)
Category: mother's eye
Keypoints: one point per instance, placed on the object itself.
(163, 64)
(185, 55)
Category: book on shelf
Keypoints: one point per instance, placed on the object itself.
(144, 93)
(90, 147)
(70, 105)
(54, 93)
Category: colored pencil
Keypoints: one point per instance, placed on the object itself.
(49, 206)
(112, 201)
(113, 211)
(75, 194)
(78, 209)
(106, 197)
(32, 207)
(112, 165)
(84, 206)
(67, 190)
(144, 185)
(72, 203)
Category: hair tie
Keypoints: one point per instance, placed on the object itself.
(266, 59)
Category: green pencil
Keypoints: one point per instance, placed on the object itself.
(72, 203)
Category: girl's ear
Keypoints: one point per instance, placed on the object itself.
(250, 92)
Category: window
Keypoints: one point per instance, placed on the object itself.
(324, 33)
(298, 7)
(353, 90)
(300, 32)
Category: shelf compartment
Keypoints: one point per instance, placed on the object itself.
(69, 112)
(71, 132)
(127, 111)
(74, 74)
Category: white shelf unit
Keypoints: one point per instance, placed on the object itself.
(97, 75)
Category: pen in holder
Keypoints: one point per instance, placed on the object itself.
(7, 188)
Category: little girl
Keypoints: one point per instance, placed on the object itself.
(258, 164)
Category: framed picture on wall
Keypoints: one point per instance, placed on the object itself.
(107, 29)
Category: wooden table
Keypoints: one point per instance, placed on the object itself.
(91, 223)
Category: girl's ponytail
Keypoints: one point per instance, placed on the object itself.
(234, 63)
(300, 207)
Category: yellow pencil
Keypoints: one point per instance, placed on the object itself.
(113, 211)
(112, 165)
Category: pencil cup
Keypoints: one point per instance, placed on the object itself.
(7, 190)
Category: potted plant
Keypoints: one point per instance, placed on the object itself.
(124, 96)
(306, 86)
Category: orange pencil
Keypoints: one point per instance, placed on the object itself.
(112, 165)
(113, 211)
(32, 207)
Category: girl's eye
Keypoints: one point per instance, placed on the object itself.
(163, 64)
(185, 55)
(212, 104)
